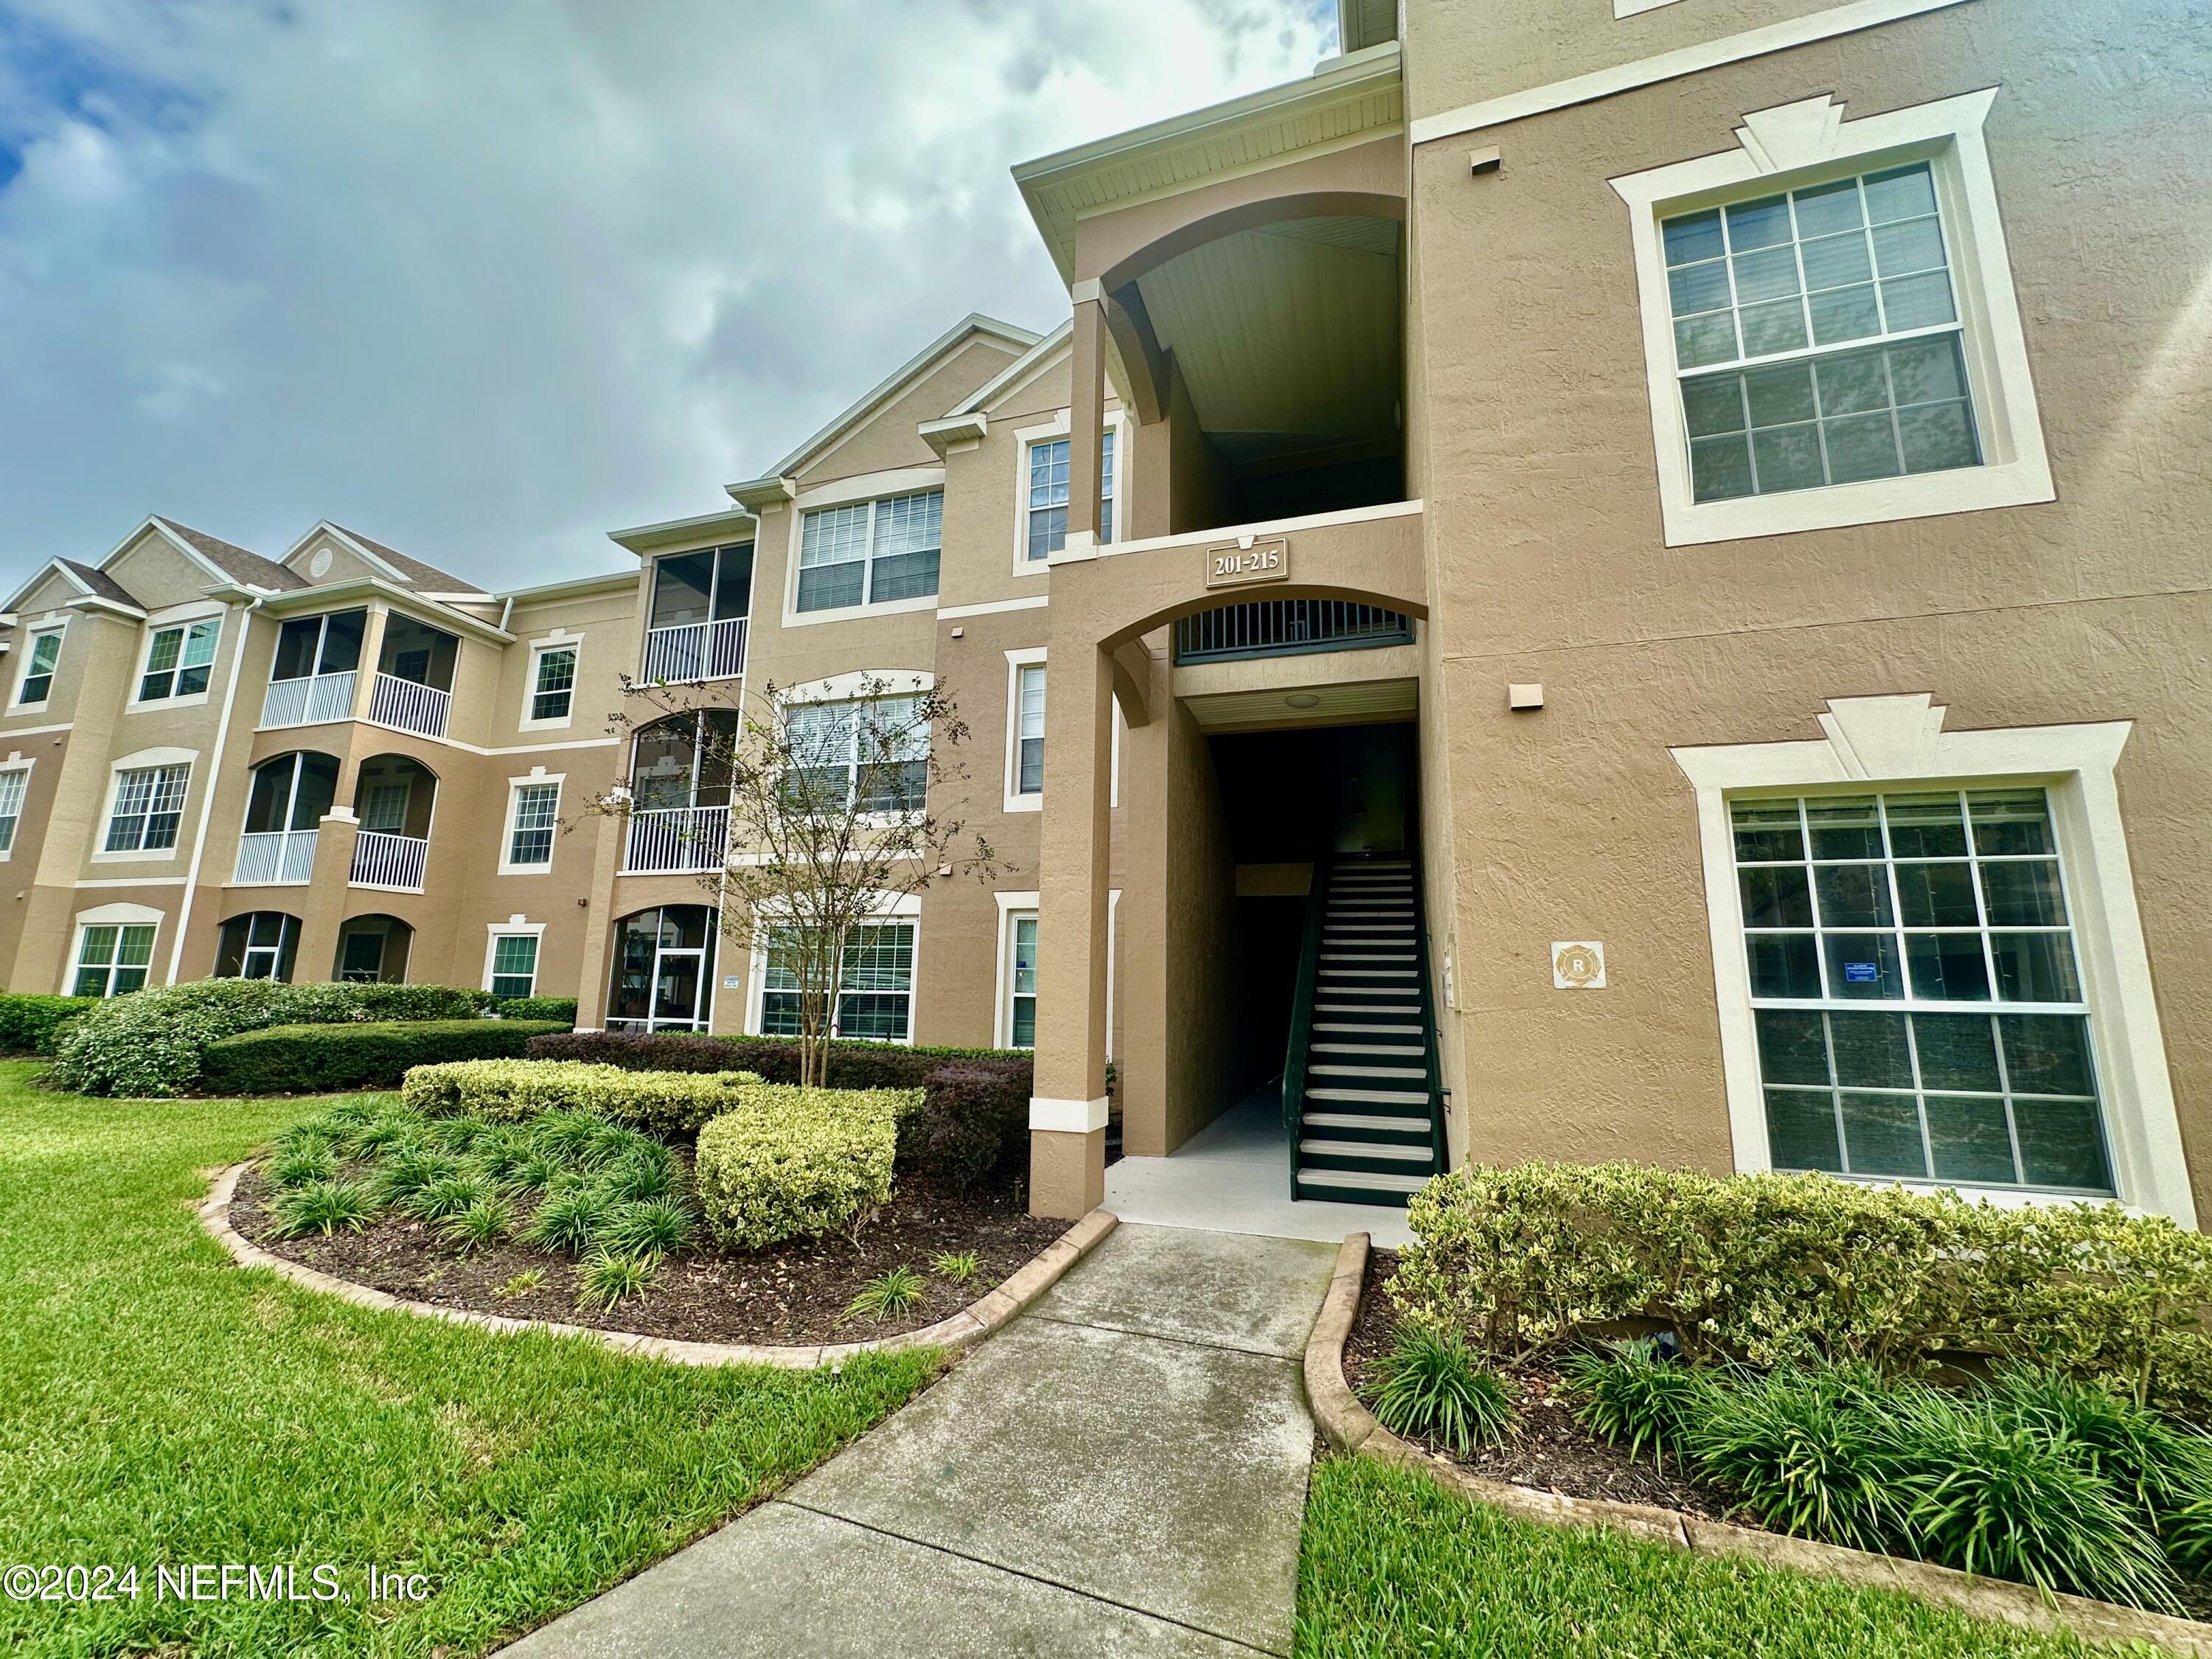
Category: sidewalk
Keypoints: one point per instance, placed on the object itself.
(1121, 1470)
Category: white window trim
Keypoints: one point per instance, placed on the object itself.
(16, 763)
(58, 626)
(906, 907)
(1012, 908)
(1874, 741)
(559, 640)
(111, 916)
(1113, 954)
(494, 931)
(187, 758)
(515, 788)
(1800, 143)
(179, 616)
(1058, 426)
(1029, 657)
(845, 492)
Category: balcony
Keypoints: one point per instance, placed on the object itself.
(677, 840)
(694, 651)
(405, 706)
(393, 863)
(1287, 628)
(309, 700)
(278, 857)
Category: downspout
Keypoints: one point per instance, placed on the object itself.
(506, 610)
(214, 773)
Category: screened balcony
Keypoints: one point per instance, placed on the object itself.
(701, 605)
(679, 784)
(284, 810)
(393, 801)
(414, 687)
(310, 681)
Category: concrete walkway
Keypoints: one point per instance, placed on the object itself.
(1121, 1470)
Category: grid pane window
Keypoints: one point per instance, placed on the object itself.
(149, 802)
(180, 660)
(879, 747)
(1048, 495)
(555, 687)
(1916, 989)
(1028, 730)
(875, 984)
(871, 552)
(1021, 991)
(514, 965)
(12, 785)
(111, 959)
(39, 668)
(1839, 295)
(530, 841)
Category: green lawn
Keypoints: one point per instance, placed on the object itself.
(158, 1406)
(1392, 1565)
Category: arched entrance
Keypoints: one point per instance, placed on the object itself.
(373, 950)
(663, 971)
(259, 944)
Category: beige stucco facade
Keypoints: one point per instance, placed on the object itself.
(1404, 329)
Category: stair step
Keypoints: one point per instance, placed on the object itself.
(1360, 1186)
(1381, 1096)
(1367, 1048)
(1380, 1076)
(1339, 1027)
(1378, 1123)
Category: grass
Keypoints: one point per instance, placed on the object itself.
(1391, 1564)
(160, 1407)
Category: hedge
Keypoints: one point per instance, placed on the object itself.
(973, 1121)
(308, 1059)
(852, 1065)
(1776, 1269)
(149, 1043)
(31, 1024)
(790, 1162)
(673, 1104)
(562, 1011)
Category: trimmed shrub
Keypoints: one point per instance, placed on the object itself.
(852, 1065)
(562, 1011)
(149, 1043)
(312, 1059)
(668, 1103)
(1776, 1269)
(795, 1163)
(973, 1121)
(31, 1024)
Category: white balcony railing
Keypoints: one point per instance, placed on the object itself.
(380, 860)
(696, 651)
(311, 699)
(407, 707)
(276, 857)
(678, 839)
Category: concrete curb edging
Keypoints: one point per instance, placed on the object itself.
(973, 1322)
(1351, 1427)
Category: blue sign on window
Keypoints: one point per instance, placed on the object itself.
(1861, 973)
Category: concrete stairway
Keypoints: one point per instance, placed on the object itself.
(1364, 1132)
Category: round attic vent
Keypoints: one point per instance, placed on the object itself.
(319, 566)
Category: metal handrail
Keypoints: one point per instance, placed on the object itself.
(409, 705)
(694, 651)
(1301, 1002)
(308, 700)
(1439, 1150)
(1287, 628)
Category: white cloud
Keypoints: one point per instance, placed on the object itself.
(488, 280)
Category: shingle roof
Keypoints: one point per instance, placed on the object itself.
(100, 582)
(428, 577)
(235, 562)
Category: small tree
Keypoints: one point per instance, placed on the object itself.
(829, 820)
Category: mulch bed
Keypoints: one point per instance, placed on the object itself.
(1552, 1452)
(793, 1295)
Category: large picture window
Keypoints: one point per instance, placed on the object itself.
(1914, 982)
(180, 660)
(875, 985)
(876, 748)
(871, 552)
(149, 800)
(112, 958)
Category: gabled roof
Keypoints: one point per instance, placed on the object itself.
(1015, 371)
(89, 581)
(974, 323)
(412, 571)
(226, 558)
(99, 581)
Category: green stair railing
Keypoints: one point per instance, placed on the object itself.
(1302, 1005)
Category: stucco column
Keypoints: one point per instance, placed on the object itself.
(323, 907)
(599, 917)
(1086, 417)
(1067, 1113)
(372, 652)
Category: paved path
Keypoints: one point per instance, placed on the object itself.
(1121, 1470)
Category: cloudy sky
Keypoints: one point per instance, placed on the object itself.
(487, 280)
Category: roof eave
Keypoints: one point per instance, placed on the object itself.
(644, 538)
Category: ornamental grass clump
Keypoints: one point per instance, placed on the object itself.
(569, 1220)
(650, 1228)
(1432, 1385)
(484, 1224)
(891, 1295)
(1805, 1452)
(302, 1162)
(607, 1278)
(323, 1207)
(1635, 1396)
(446, 1195)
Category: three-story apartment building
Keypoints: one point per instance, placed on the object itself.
(1614, 578)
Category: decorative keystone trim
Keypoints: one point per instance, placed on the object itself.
(1351, 1427)
(971, 1324)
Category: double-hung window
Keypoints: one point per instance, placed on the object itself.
(875, 984)
(1029, 729)
(1919, 1003)
(149, 801)
(180, 660)
(1021, 980)
(529, 841)
(553, 685)
(871, 552)
(514, 965)
(13, 783)
(872, 752)
(112, 958)
(1046, 511)
(45, 651)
